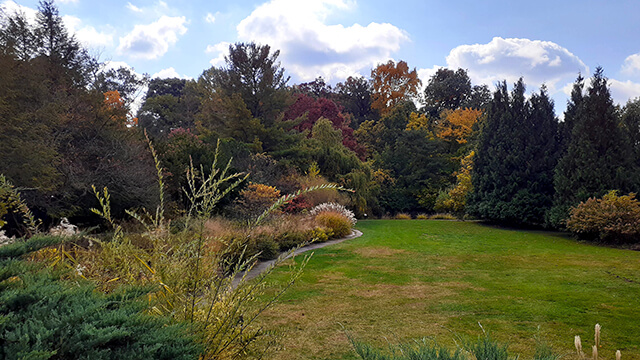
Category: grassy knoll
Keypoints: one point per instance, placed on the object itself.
(407, 279)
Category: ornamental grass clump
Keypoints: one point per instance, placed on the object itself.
(612, 218)
(335, 217)
(337, 208)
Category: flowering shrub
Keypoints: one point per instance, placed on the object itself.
(336, 208)
(613, 218)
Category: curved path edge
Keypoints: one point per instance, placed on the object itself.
(262, 266)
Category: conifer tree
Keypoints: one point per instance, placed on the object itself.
(596, 159)
(517, 152)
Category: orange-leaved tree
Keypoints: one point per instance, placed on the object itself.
(392, 84)
(457, 125)
(116, 109)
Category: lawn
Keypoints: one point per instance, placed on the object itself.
(409, 279)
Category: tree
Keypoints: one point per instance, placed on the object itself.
(59, 135)
(457, 125)
(393, 84)
(169, 104)
(571, 113)
(516, 157)
(65, 59)
(454, 200)
(325, 147)
(317, 88)
(309, 110)
(596, 159)
(255, 73)
(354, 95)
(630, 122)
(447, 89)
(128, 84)
(452, 90)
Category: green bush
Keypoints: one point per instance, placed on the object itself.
(402, 216)
(265, 246)
(612, 218)
(290, 239)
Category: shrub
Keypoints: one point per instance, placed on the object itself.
(44, 317)
(442, 217)
(612, 219)
(264, 246)
(291, 239)
(296, 205)
(422, 217)
(321, 234)
(403, 216)
(339, 224)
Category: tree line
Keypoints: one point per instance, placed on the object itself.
(67, 123)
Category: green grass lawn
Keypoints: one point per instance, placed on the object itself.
(409, 279)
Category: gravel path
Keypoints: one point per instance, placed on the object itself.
(260, 267)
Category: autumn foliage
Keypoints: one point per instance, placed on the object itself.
(312, 109)
(457, 125)
(612, 218)
(392, 84)
(255, 199)
(455, 199)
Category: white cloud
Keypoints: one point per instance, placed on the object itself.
(220, 49)
(133, 8)
(87, 35)
(622, 91)
(631, 65)
(169, 73)
(509, 59)
(153, 40)
(11, 7)
(310, 47)
(210, 18)
(109, 65)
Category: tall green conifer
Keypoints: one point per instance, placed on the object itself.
(517, 152)
(595, 160)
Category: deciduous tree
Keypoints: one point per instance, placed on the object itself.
(393, 84)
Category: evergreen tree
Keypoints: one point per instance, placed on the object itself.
(255, 73)
(169, 104)
(566, 127)
(596, 157)
(517, 152)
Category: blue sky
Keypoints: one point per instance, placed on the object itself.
(543, 41)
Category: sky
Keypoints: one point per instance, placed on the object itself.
(543, 41)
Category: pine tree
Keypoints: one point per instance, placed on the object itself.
(596, 158)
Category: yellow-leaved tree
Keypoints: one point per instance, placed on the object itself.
(455, 200)
(457, 125)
